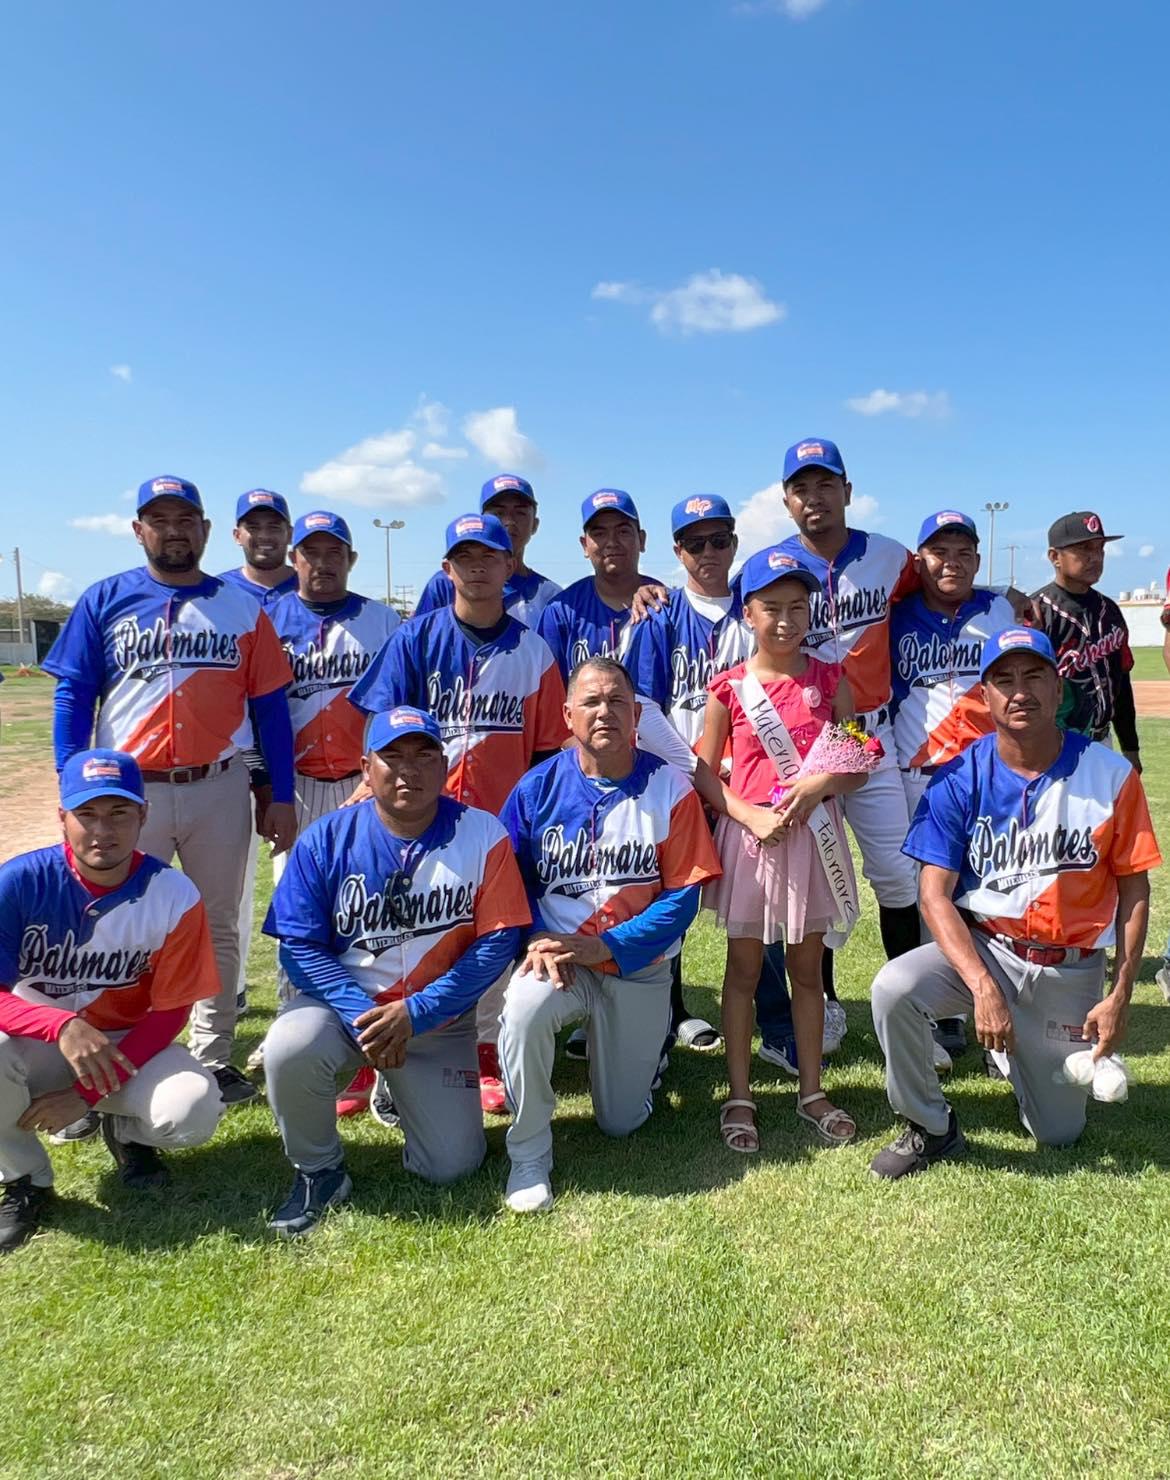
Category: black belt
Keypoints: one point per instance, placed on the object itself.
(349, 776)
(183, 775)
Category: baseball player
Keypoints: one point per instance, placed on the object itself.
(589, 618)
(393, 917)
(673, 654)
(103, 950)
(184, 669)
(613, 846)
(511, 500)
(1162, 976)
(1035, 845)
(263, 529)
(937, 635)
(1089, 634)
(494, 689)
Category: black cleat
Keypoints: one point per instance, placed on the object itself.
(312, 1195)
(915, 1151)
(951, 1034)
(77, 1130)
(139, 1167)
(21, 1206)
(234, 1088)
(382, 1106)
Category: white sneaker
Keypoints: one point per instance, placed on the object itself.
(836, 1027)
(1162, 977)
(529, 1189)
(942, 1059)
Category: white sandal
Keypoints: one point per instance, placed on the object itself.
(825, 1125)
(731, 1132)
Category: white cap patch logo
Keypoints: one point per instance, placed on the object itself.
(779, 561)
(470, 525)
(499, 483)
(810, 449)
(166, 485)
(406, 717)
(100, 770)
(604, 500)
(697, 505)
(1093, 524)
(949, 517)
(259, 498)
(317, 521)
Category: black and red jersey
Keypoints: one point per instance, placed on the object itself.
(1092, 649)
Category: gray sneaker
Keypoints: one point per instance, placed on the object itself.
(529, 1187)
(77, 1130)
(1162, 977)
(915, 1151)
(836, 1026)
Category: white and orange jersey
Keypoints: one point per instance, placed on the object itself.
(850, 622)
(398, 913)
(497, 703)
(938, 699)
(329, 651)
(595, 853)
(174, 666)
(1038, 860)
(110, 956)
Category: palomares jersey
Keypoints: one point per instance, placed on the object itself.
(175, 666)
(496, 704)
(108, 957)
(525, 597)
(938, 694)
(850, 623)
(674, 654)
(1038, 860)
(329, 652)
(577, 625)
(267, 596)
(398, 912)
(595, 853)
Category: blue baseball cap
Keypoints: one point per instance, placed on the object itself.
(604, 500)
(478, 529)
(321, 521)
(1011, 640)
(813, 452)
(505, 483)
(262, 498)
(392, 724)
(694, 510)
(100, 773)
(774, 564)
(165, 486)
(947, 519)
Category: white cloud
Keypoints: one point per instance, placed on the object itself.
(712, 302)
(118, 524)
(431, 417)
(763, 520)
(497, 436)
(128, 495)
(437, 451)
(935, 404)
(121, 372)
(1146, 551)
(376, 472)
(56, 586)
(1115, 549)
(796, 10)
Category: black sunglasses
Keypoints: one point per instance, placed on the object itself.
(699, 542)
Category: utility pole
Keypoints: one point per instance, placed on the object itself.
(993, 510)
(388, 526)
(405, 593)
(19, 598)
(1012, 567)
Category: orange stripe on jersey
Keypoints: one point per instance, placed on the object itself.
(440, 958)
(867, 667)
(182, 971)
(687, 855)
(1134, 847)
(968, 720)
(195, 725)
(330, 744)
(545, 721)
(264, 661)
(486, 773)
(502, 901)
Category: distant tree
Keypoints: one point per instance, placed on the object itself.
(34, 606)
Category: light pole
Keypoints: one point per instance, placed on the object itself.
(1012, 567)
(993, 510)
(388, 526)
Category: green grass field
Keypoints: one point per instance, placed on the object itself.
(1149, 664)
(681, 1311)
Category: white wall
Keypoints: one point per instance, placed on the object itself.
(18, 652)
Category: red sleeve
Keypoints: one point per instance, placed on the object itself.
(688, 855)
(501, 902)
(156, 1031)
(21, 1019)
(267, 665)
(550, 731)
(184, 969)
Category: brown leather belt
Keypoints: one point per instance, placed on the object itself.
(183, 775)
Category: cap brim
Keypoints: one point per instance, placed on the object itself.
(487, 544)
(407, 734)
(1009, 652)
(816, 462)
(806, 579)
(704, 519)
(78, 798)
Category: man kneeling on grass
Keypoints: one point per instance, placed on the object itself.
(613, 847)
(103, 950)
(1035, 845)
(394, 916)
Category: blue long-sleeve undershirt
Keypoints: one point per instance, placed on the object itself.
(319, 974)
(74, 703)
(274, 737)
(642, 938)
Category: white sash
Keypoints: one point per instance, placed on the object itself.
(772, 733)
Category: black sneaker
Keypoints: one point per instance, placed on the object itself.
(77, 1130)
(241, 1004)
(990, 1067)
(914, 1151)
(382, 1104)
(312, 1195)
(21, 1207)
(234, 1089)
(140, 1167)
(577, 1045)
(951, 1034)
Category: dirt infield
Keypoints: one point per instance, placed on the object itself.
(1152, 699)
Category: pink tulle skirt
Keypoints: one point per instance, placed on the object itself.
(776, 893)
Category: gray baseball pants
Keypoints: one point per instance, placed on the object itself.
(171, 1101)
(313, 798)
(308, 1055)
(627, 1020)
(1047, 1005)
(208, 824)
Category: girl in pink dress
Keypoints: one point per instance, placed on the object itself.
(773, 885)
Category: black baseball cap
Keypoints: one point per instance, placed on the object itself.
(1071, 529)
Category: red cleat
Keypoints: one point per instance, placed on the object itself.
(355, 1097)
(491, 1086)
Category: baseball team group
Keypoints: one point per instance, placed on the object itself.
(497, 819)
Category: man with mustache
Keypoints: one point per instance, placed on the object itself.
(182, 668)
(1035, 845)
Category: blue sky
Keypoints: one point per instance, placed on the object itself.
(370, 254)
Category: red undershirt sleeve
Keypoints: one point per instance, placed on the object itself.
(21, 1019)
(156, 1031)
